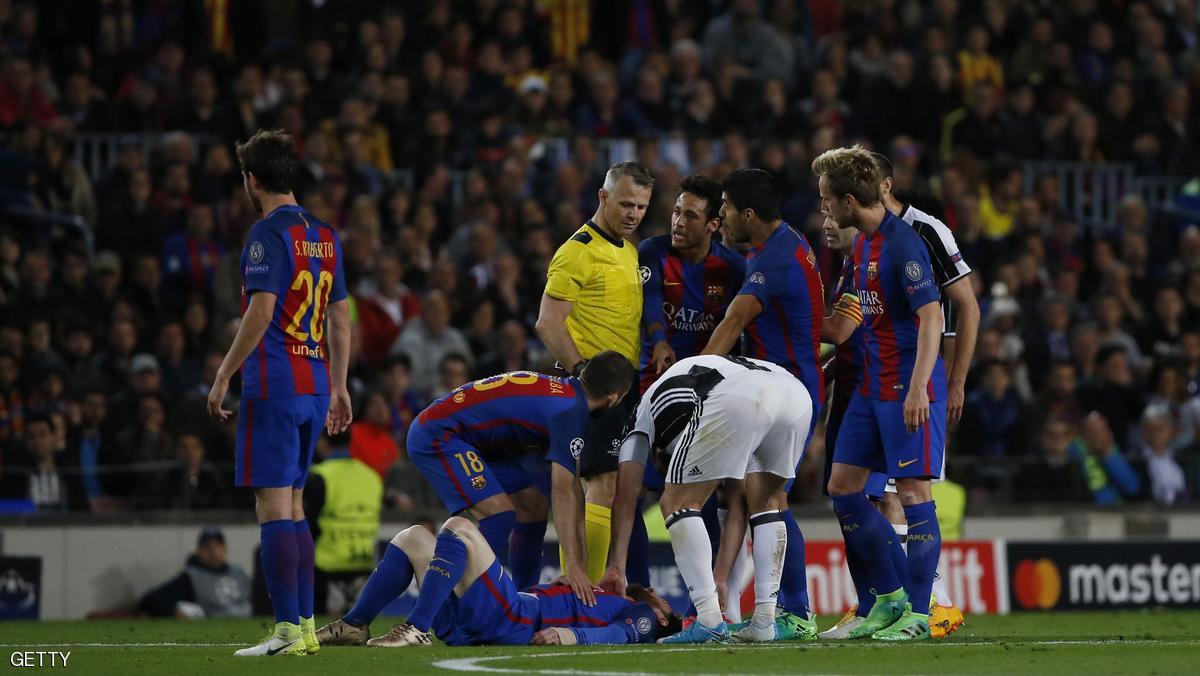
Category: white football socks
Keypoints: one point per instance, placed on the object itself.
(693, 556)
(770, 548)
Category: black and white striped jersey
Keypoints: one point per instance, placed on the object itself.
(944, 256)
(671, 409)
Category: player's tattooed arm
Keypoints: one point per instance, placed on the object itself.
(741, 312)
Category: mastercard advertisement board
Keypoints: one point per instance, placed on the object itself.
(1098, 575)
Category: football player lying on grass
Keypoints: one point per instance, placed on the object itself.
(467, 598)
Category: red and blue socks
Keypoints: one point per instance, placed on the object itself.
(525, 548)
(924, 548)
(446, 568)
(280, 561)
(391, 577)
(867, 532)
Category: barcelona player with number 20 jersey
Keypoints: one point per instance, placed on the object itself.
(293, 379)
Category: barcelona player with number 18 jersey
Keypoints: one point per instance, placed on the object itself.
(293, 379)
(480, 447)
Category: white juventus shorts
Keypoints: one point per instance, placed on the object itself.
(756, 421)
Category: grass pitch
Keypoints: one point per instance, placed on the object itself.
(1151, 642)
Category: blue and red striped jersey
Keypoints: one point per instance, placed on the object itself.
(688, 299)
(847, 371)
(516, 412)
(782, 274)
(299, 259)
(894, 278)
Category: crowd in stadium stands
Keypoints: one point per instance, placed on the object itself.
(422, 127)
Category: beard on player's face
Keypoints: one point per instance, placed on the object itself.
(254, 200)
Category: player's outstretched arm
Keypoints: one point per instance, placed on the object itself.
(741, 312)
(733, 536)
(962, 295)
(552, 329)
(340, 412)
(929, 337)
(249, 334)
(624, 511)
(566, 496)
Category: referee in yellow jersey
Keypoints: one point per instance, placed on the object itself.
(593, 302)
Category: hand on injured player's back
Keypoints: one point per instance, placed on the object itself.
(613, 581)
(662, 356)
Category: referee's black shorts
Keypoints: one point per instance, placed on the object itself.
(602, 445)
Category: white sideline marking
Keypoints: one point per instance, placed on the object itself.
(477, 664)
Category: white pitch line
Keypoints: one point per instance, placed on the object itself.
(477, 664)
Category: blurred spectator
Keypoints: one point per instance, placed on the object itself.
(1112, 393)
(48, 487)
(1167, 483)
(1110, 478)
(190, 258)
(1053, 475)
(428, 339)
(453, 371)
(209, 585)
(194, 482)
(384, 305)
(371, 440)
(992, 415)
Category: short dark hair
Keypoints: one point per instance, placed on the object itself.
(885, 165)
(753, 189)
(609, 372)
(707, 189)
(636, 170)
(400, 360)
(271, 156)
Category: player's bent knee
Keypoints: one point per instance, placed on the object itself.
(414, 539)
(460, 525)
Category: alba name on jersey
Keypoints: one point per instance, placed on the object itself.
(894, 278)
(299, 259)
(688, 299)
(782, 274)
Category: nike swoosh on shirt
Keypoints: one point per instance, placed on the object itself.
(904, 464)
(918, 524)
(672, 283)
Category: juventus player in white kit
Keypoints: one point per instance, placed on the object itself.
(710, 418)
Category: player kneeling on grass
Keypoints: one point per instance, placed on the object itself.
(466, 598)
(712, 418)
